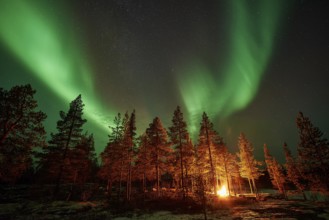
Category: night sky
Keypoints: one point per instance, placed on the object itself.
(251, 65)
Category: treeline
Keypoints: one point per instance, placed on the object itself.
(135, 165)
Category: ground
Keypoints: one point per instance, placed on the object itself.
(166, 208)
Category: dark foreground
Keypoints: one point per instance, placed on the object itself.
(15, 206)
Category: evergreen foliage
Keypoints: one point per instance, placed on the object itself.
(293, 172)
(209, 145)
(21, 131)
(275, 171)
(249, 166)
(180, 139)
(68, 148)
(159, 149)
(313, 154)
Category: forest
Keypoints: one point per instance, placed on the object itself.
(160, 168)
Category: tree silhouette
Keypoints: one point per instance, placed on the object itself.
(143, 167)
(313, 152)
(180, 139)
(293, 173)
(114, 156)
(21, 131)
(129, 140)
(79, 163)
(275, 171)
(159, 149)
(69, 135)
(208, 147)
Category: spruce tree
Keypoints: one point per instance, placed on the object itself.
(313, 154)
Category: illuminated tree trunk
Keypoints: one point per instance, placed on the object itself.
(128, 193)
(186, 181)
(251, 191)
(157, 172)
(179, 137)
(213, 180)
(181, 168)
(120, 182)
(227, 180)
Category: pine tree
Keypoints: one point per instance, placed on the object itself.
(113, 155)
(143, 168)
(69, 135)
(180, 139)
(226, 166)
(159, 149)
(129, 140)
(249, 166)
(80, 160)
(293, 172)
(313, 152)
(21, 131)
(209, 144)
(275, 171)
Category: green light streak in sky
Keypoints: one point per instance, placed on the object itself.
(252, 31)
(49, 48)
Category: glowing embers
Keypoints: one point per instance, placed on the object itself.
(223, 192)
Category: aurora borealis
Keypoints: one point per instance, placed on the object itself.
(251, 44)
(53, 56)
(251, 65)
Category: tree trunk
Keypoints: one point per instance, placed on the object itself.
(128, 193)
(304, 195)
(254, 185)
(72, 186)
(211, 163)
(109, 188)
(251, 191)
(181, 168)
(186, 182)
(157, 171)
(120, 185)
(59, 177)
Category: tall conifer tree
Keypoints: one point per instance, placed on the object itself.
(275, 171)
(21, 131)
(249, 166)
(293, 173)
(180, 139)
(208, 147)
(159, 149)
(313, 152)
(69, 135)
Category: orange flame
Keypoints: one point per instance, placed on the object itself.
(223, 192)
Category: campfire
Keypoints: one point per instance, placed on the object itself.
(223, 192)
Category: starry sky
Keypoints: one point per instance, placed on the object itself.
(251, 65)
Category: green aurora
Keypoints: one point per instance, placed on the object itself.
(51, 50)
(252, 37)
